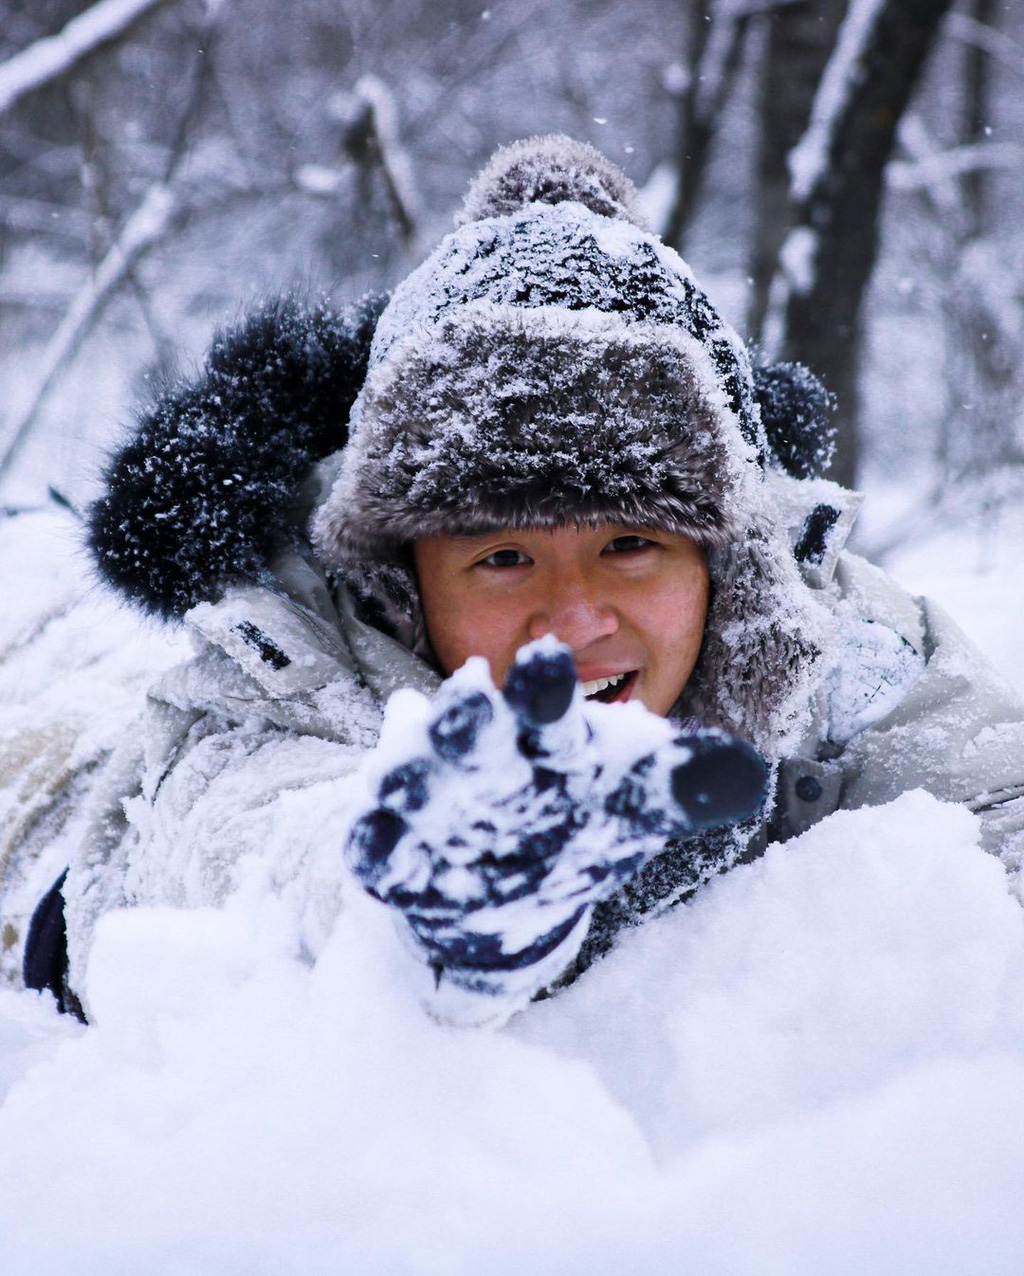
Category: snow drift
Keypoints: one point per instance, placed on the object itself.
(815, 1066)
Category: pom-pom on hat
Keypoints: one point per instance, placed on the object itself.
(553, 363)
(550, 170)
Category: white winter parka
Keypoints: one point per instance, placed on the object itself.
(242, 771)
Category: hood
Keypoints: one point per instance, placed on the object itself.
(548, 357)
(553, 363)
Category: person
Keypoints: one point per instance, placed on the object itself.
(519, 602)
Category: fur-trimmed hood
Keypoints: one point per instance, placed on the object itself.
(552, 416)
(551, 362)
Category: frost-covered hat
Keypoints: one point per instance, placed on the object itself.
(551, 363)
(535, 369)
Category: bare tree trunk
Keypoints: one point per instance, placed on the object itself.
(800, 39)
(977, 64)
(838, 180)
(715, 46)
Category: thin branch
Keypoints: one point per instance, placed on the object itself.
(147, 225)
(49, 59)
(713, 73)
(207, 34)
(906, 175)
(468, 59)
(979, 35)
(976, 436)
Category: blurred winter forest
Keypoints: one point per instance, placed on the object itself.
(845, 176)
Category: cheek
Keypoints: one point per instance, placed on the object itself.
(473, 627)
(675, 612)
(672, 621)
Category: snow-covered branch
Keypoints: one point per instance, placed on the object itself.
(369, 120)
(809, 158)
(999, 46)
(394, 158)
(50, 58)
(908, 175)
(146, 226)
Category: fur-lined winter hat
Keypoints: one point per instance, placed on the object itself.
(554, 363)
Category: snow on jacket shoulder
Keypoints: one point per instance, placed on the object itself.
(242, 768)
(909, 703)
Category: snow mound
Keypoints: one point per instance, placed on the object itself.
(815, 1066)
(975, 569)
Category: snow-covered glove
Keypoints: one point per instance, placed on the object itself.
(500, 818)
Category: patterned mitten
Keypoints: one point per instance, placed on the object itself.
(512, 812)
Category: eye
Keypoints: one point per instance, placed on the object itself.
(629, 545)
(505, 558)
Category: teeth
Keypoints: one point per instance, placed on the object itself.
(599, 684)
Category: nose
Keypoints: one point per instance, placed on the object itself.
(574, 615)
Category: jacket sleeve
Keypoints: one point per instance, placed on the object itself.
(195, 808)
(958, 731)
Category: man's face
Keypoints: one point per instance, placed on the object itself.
(630, 602)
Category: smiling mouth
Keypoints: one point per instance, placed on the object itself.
(609, 690)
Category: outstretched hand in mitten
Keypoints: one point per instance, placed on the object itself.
(504, 816)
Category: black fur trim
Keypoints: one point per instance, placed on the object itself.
(795, 412)
(206, 490)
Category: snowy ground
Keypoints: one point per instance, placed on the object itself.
(818, 1066)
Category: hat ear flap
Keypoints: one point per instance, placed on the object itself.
(766, 637)
(796, 412)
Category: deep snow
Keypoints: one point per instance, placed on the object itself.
(817, 1066)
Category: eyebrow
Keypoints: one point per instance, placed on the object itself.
(479, 536)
